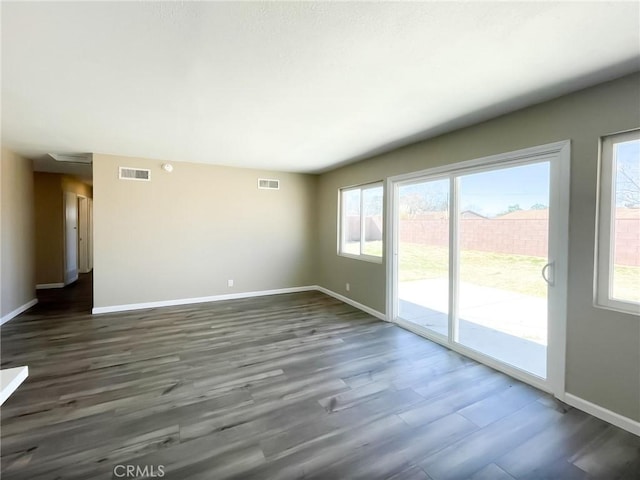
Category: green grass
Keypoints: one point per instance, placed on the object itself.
(626, 283)
(515, 273)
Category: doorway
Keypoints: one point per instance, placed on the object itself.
(479, 259)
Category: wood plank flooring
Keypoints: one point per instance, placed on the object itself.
(281, 387)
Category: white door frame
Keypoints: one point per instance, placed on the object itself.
(559, 156)
(90, 233)
(70, 204)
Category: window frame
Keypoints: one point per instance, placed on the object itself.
(605, 223)
(342, 217)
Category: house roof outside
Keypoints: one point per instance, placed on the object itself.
(526, 214)
(621, 212)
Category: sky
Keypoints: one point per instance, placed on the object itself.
(627, 161)
(491, 193)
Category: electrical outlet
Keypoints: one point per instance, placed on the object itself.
(347, 287)
(229, 283)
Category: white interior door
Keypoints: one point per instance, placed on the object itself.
(479, 259)
(71, 237)
(90, 233)
(83, 234)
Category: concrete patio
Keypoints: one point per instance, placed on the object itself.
(509, 326)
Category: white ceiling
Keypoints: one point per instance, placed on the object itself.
(297, 86)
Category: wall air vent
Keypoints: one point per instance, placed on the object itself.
(268, 184)
(140, 174)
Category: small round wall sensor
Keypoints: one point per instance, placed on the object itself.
(167, 167)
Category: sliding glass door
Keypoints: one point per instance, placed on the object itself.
(503, 237)
(478, 261)
(423, 254)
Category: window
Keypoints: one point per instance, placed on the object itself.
(361, 222)
(618, 265)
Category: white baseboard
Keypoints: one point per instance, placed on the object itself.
(603, 414)
(70, 276)
(353, 303)
(45, 286)
(18, 311)
(235, 296)
(188, 301)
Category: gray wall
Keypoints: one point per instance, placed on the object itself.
(185, 233)
(603, 347)
(17, 233)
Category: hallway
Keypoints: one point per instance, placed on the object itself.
(74, 298)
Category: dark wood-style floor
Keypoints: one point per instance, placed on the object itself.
(289, 386)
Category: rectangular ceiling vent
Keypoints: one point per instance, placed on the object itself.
(140, 174)
(268, 184)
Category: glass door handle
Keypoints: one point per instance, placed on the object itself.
(545, 270)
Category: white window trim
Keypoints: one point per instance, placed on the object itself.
(605, 225)
(341, 217)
